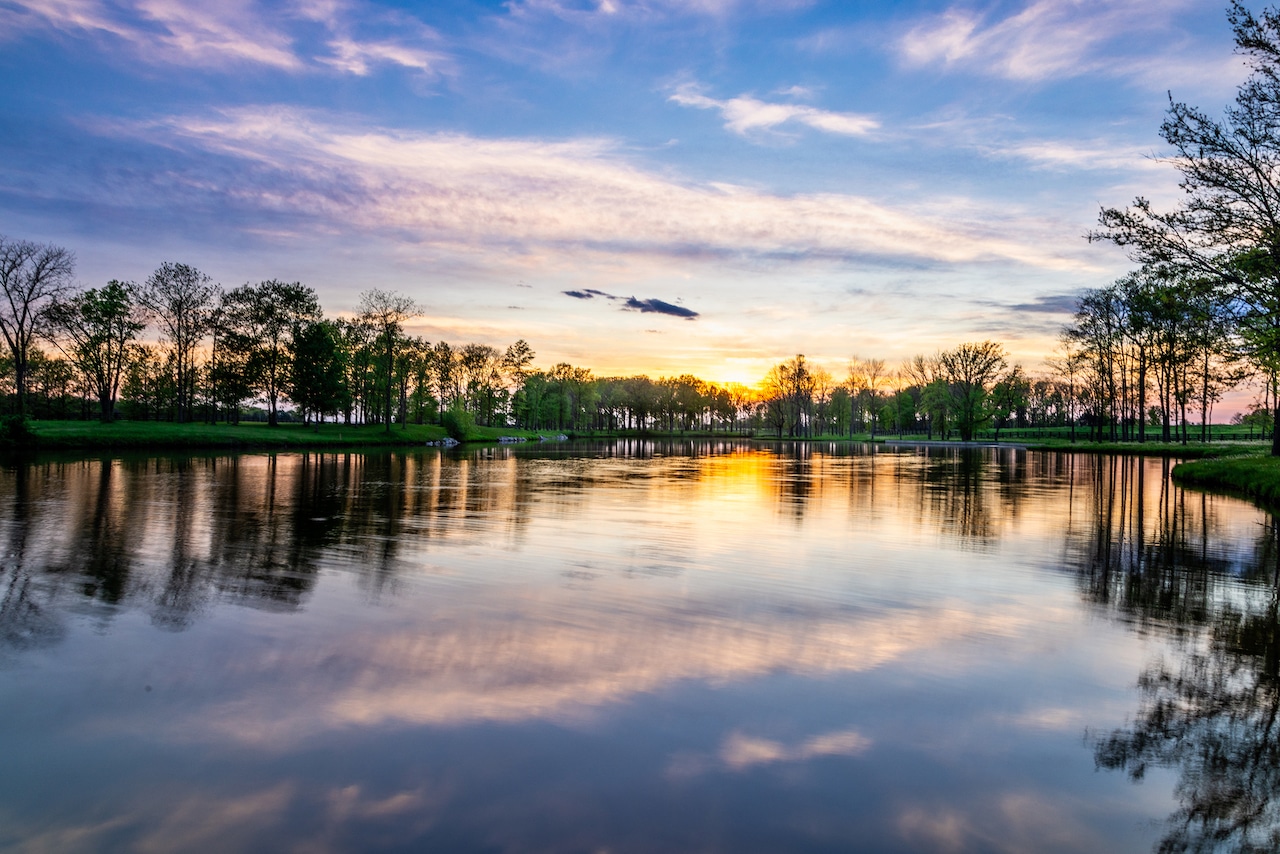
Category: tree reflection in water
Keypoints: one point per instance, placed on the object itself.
(1211, 714)
(178, 538)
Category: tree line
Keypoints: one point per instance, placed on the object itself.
(1203, 306)
(268, 350)
(220, 350)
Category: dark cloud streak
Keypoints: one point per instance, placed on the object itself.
(644, 306)
(657, 306)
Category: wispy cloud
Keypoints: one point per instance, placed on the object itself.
(1044, 39)
(1050, 304)
(567, 197)
(236, 33)
(745, 114)
(741, 751)
(580, 12)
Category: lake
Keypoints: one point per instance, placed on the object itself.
(634, 647)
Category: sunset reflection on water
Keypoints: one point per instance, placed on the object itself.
(629, 646)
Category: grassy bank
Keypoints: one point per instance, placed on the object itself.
(1189, 451)
(1256, 477)
(149, 435)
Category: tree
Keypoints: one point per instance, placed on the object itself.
(267, 315)
(96, 328)
(970, 370)
(182, 300)
(516, 362)
(865, 378)
(1009, 397)
(386, 312)
(230, 368)
(1067, 366)
(32, 277)
(1228, 228)
(317, 373)
(788, 388)
(925, 374)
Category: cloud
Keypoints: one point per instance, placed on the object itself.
(657, 306)
(312, 173)
(739, 751)
(1045, 39)
(237, 33)
(358, 58)
(644, 306)
(1051, 304)
(745, 114)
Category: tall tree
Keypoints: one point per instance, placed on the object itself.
(268, 314)
(32, 277)
(387, 312)
(95, 330)
(317, 373)
(1067, 364)
(788, 389)
(971, 369)
(183, 301)
(1228, 227)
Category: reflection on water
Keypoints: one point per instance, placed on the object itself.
(1209, 705)
(634, 646)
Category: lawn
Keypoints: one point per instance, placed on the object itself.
(146, 435)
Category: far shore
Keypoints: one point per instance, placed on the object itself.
(1239, 468)
(257, 435)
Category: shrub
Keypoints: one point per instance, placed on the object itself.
(457, 422)
(16, 432)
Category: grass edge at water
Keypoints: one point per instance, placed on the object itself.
(1254, 476)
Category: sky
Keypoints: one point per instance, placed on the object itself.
(632, 186)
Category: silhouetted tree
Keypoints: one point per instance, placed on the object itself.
(32, 277)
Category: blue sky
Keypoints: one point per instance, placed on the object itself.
(630, 185)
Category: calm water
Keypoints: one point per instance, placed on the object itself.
(634, 647)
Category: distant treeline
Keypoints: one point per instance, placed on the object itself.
(266, 351)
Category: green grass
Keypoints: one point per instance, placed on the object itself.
(1256, 477)
(1192, 450)
(146, 435)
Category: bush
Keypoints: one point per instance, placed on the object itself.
(16, 432)
(457, 422)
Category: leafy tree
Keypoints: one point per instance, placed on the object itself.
(148, 383)
(516, 361)
(32, 277)
(1009, 397)
(266, 315)
(317, 370)
(971, 369)
(1227, 229)
(96, 328)
(230, 368)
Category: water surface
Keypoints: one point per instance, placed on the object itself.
(633, 647)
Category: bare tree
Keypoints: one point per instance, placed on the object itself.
(1067, 364)
(386, 312)
(32, 277)
(182, 299)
